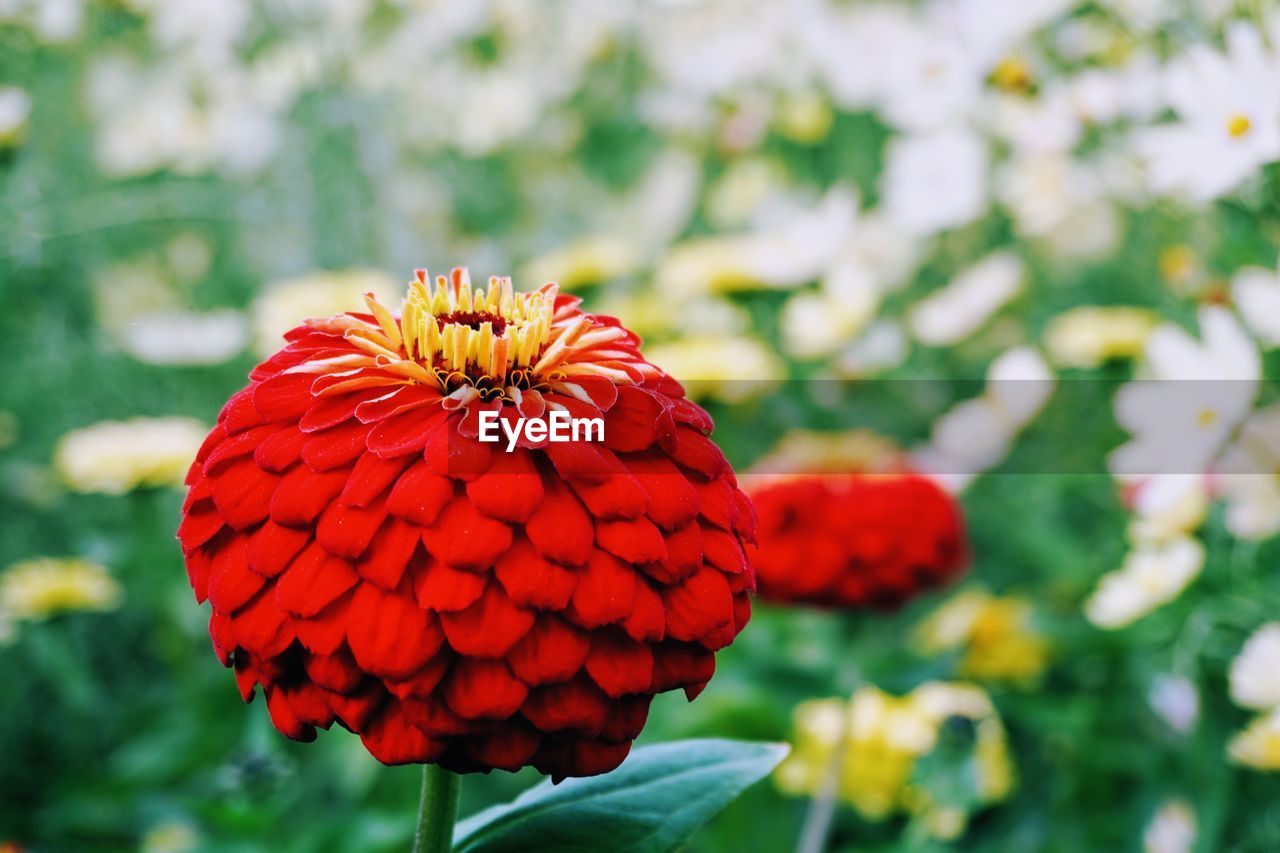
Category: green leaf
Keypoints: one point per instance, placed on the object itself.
(652, 802)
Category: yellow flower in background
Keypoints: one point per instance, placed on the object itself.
(995, 634)
(1178, 265)
(1255, 684)
(860, 450)
(42, 587)
(118, 456)
(804, 117)
(706, 265)
(1089, 336)
(651, 317)
(1258, 746)
(588, 261)
(875, 744)
(284, 304)
(732, 368)
(172, 836)
(1153, 574)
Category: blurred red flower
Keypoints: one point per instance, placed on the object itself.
(844, 522)
(371, 563)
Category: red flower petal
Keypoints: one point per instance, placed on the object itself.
(242, 494)
(420, 494)
(576, 705)
(553, 650)
(635, 540)
(231, 584)
(464, 538)
(443, 588)
(478, 688)
(533, 581)
(302, 494)
(273, 546)
(488, 628)
(619, 664)
(348, 530)
(510, 490)
(388, 634)
(407, 432)
(280, 450)
(388, 555)
(313, 581)
(561, 529)
(371, 477)
(697, 606)
(605, 593)
(391, 739)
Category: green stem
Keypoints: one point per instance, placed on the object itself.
(437, 810)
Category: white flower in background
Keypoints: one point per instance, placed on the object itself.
(1257, 296)
(816, 323)
(1255, 673)
(1019, 383)
(930, 79)
(148, 118)
(1228, 106)
(977, 434)
(796, 246)
(958, 310)
(1258, 745)
(285, 304)
(1044, 126)
(1172, 829)
(935, 181)
(1250, 476)
(1042, 190)
(205, 29)
(746, 185)
(709, 48)
(15, 109)
(186, 337)
(1174, 699)
(115, 457)
(990, 28)
(873, 32)
(881, 347)
(1168, 506)
(1151, 576)
(1198, 393)
(1089, 336)
(52, 21)
(884, 249)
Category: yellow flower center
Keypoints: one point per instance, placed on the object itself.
(1206, 418)
(1238, 125)
(492, 342)
(455, 329)
(1012, 75)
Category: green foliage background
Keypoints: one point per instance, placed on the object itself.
(112, 724)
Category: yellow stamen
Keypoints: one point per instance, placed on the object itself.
(492, 339)
(1238, 125)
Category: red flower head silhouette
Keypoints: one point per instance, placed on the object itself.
(844, 522)
(371, 562)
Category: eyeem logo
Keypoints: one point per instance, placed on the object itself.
(559, 426)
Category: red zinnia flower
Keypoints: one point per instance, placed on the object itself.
(370, 562)
(844, 522)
